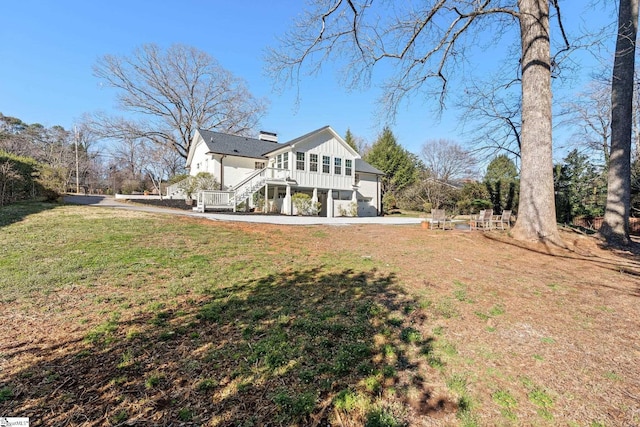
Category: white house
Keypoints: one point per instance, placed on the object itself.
(320, 164)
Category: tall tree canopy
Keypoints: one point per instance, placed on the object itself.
(171, 93)
(579, 187)
(350, 139)
(501, 180)
(428, 41)
(62, 159)
(391, 158)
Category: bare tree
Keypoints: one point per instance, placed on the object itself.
(129, 155)
(615, 227)
(89, 157)
(8, 174)
(446, 160)
(590, 113)
(161, 163)
(428, 40)
(172, 93)
(430, 192)
(492, 110)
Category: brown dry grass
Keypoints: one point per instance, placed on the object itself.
(507, 318)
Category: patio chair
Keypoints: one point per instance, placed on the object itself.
(483, 220)
(502, 220)
(439, 219)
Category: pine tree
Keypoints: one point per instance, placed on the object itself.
(349, 139)
(501, 181)
(397, 163)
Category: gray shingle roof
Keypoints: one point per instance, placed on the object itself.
(234, 145)
(300, 138)
(242, 146)
(362, 166)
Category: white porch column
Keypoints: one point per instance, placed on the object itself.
(287, 202)
(354, 199)
(265, 208)
(276, 189)
(314, 201)
(330, 204)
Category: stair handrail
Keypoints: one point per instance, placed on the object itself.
(248, 178)
(175, 188)
(256, 179)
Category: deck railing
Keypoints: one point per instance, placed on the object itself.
(245, 188)
(256, 181)
(215, 198)
(175, 190)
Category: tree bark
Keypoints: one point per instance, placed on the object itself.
(536, 212)
(615, 227)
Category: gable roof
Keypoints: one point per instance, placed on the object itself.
(306, 136)
(242, 146)
(234, 145)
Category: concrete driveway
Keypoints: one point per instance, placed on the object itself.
(110, 202)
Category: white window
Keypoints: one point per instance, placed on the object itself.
(259, 165)
(313, 162)
(326, 164)
(348, 167)
(337, 166)
(282, 161)
(300, 161)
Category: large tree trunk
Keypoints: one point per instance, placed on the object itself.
(537, 210)
(615, 228)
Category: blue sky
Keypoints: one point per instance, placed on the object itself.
(50, 46)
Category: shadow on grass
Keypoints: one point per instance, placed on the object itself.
(308, 347)
(17, 212)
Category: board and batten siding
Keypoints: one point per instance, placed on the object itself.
(321, 146)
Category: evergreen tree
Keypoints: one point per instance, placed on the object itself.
(397, 163)
(579, 188)
(501, 181)
(349, 139)
(472, 197)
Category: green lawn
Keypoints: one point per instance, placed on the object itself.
(216, 324)
(115, 317)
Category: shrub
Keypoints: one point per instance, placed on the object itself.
(351, 210)
(177, 178)
(199, 182)
(259, 202)
(389, 201)
(304, 205)
(23, 178)
(129, 186)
